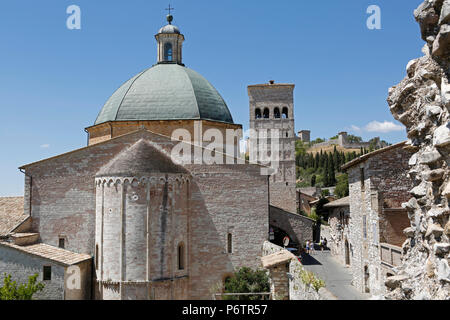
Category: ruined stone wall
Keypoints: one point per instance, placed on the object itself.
(422, 103)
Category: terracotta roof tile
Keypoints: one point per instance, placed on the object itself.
(11, 214)
(343, 202)
(55, 254)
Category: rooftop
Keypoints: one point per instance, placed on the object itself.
(277, 258)
(343, 202)
(140, 158)
(371, 154)
(58, 255)
(11, 214)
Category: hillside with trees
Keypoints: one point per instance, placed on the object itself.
(323, 167)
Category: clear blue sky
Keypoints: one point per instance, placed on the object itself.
(54, 81)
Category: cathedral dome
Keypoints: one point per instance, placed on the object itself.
(166, 91)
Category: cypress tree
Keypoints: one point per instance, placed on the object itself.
(332, 177)
(313, 180)
(317, 161)
(326, 175)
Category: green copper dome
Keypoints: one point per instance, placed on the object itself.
(165, 92)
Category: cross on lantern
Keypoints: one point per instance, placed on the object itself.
(170, 9)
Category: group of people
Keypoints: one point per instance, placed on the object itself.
(310, 245)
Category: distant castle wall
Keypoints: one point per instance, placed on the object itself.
(342, 141)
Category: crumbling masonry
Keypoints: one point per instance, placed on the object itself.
(422, 103)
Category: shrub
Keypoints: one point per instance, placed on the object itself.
(247, 280)
(309, 279)
(10, 290)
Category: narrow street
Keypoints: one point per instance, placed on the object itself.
(336, 276)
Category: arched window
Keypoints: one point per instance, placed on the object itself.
(276, 113)
(181, 262)
(258, 113)
(285, 113)
(266, 113)
(168, 54)
(230, 243)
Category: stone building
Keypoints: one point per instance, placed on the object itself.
(272, 120)
(339, 232)
(342, 140)
(142, 203)
(305, 136)
(272, 143)
(379, 184)
(304, 201)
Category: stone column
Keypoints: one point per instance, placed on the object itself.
(279, 286)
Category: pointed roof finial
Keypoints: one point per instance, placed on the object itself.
(169, 16)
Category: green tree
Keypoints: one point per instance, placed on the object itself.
(246, 280)
(332, 177)
(313, 180)
(11, 291)
(353, 139)
(326, 175)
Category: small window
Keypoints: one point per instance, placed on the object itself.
(62, 243)
(47, 273)
(285, 113)
(168, 54)
(266, 113)
(276, 113)
(230, 243)
(181, 256)
(258, 113)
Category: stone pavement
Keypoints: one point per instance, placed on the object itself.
(337, 277)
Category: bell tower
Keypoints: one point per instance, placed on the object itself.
(170, 43)
(272, 111)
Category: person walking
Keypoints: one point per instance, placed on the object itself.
(307, 246)
(321, 244)
(325, 242)
(311, 247)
